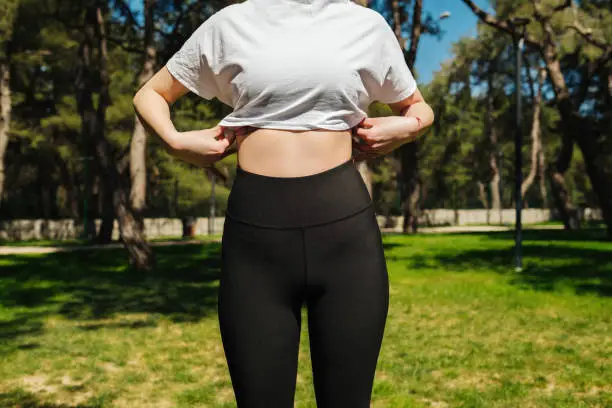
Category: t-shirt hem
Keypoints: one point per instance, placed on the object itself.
(285, 126)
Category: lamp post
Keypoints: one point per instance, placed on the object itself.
(500, 166)
(520, 23)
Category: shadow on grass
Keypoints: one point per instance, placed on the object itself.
(586, 270)
(581, 260)
(24, 399)
(98, 285)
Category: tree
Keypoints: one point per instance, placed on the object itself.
(409, 152)
(93, 76)
(138, 144)
(8, 11)
(554, 21)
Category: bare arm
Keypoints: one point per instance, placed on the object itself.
(415, 107)
(384, 134)
(152, 104)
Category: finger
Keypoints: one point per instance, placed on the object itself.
(367, 135)
(367, 122)
(380, 145)
(220, 133)
(221, 145)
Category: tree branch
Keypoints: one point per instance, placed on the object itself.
(503, 25)
(563, 6)
(587, 34)
(539, 15)
(128, 13)
(415, 34)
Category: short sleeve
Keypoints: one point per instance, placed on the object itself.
(398, 81)
(192, 64)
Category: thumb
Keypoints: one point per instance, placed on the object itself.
(223, 143)
(368, 122)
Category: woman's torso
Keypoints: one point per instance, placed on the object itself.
(293, 74)
(288, 153)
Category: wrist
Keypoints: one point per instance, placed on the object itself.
(413, 127)
(174, 140)
(416, 124)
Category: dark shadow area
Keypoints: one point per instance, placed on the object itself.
(22, 325)
(387, 246)
(24, 399)
(98, 284)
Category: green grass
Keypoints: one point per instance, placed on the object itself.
(464, 330)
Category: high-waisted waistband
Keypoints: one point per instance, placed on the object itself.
(291, 202)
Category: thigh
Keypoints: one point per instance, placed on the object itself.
(348, 298)
(259, 312)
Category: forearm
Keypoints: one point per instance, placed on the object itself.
(154, 114)
(425, 115)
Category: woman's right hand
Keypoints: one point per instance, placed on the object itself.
(200, 147)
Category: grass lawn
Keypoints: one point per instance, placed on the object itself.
(464, 329)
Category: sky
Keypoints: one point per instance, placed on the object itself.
(432, 51)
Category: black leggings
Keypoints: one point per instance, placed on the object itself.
(293, 240)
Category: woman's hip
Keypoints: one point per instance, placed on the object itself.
(293, 202)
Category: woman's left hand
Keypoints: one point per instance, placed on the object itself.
(379, 136)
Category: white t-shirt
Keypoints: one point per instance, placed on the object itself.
(294, 64)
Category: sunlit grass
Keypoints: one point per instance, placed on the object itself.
(464, 330)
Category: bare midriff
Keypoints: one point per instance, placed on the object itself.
(290, 153)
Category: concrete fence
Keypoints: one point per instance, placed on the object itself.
(22, 230)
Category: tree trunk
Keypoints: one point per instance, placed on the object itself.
(140, 253)
(5, 118)
(412, 184)
(495, 196)
(94, 120)
(409, 152)
(542, 174)
(138, 146)
(567, 212)
(536, 145)
(366, 175)
(107, 224)
(493, 147)
(582, 133)
(482, 195)
(556, 178)
(67, 181)
(9, 11)
(575, 130)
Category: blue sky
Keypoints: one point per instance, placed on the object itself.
(432, 52)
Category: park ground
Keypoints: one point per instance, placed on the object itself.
(78, 329)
